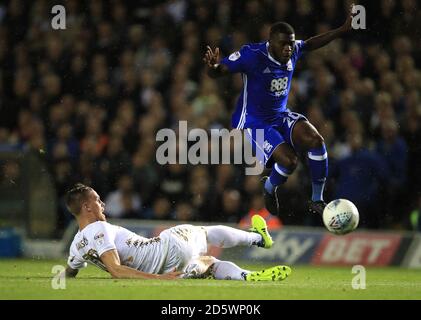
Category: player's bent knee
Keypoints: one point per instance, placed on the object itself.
(285, 157)
(316, 140)
(306, 136)
(199, 267)
(289, 162)
(292, 163)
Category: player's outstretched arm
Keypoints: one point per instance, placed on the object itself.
(323, 39)
(112, 261)
(211, 59)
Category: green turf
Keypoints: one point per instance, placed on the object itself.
(31, 279)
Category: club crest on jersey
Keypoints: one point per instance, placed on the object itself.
(234, 56)
(99, 239)
(99, 235)
(267, 146)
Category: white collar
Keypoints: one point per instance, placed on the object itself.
(270, 57)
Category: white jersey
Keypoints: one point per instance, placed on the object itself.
(172, 249)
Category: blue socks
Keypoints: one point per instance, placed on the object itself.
(278, 176)
(318, 163)
(317, 159)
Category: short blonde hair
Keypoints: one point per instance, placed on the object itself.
(75, 196)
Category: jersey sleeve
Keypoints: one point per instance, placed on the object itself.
(103, 238)
(238, 61)
(75, 261)
(299, 49)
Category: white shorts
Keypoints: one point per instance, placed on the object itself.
(186, 244)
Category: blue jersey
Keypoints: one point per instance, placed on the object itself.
(266, 84)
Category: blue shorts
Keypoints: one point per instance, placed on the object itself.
(265, 140)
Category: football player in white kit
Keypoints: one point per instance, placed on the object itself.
(178, 252)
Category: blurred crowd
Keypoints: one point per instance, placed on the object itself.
(91, 98)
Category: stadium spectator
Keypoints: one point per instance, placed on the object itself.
(124, 202)
(174, 183)
(159, 210)
(184, 212)
(412, 135)
(230, 209)
(257, 206)
(200, 193)
(145, 171)
(393, 149)
(359, 178)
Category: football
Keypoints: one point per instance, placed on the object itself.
(340, 216)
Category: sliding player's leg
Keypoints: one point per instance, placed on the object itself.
(208, 267)
(227, 270)
(227, 237)
(187, 242)
(277, 273)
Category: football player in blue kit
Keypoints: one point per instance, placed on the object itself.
(267, 70)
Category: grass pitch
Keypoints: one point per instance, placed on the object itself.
(32, 279)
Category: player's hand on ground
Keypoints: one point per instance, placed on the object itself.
(171, 275)
(211, 56)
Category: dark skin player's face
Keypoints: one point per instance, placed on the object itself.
(281, 46)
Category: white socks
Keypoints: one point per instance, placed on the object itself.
(226, 270)
(227, 237)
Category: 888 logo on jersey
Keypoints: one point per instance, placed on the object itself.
(279, 86)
